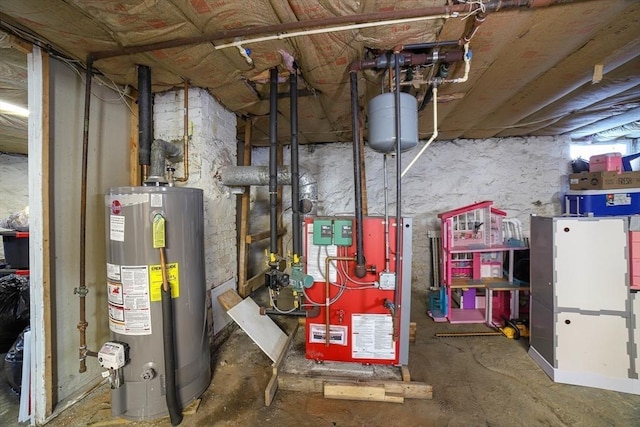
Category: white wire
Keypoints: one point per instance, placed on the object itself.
(108, 83)
(482, 8)
(275, 307)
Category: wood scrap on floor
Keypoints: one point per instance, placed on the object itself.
(343, 380)
(103, 418)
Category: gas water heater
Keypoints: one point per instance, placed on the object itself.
(364, 320)
(134, 358)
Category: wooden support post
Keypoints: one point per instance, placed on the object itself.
(243, 245)
(135, 175)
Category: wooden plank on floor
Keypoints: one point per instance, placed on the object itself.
(359, 391)
(272, 386)
(315, 384)
(404, 371)
(103, 418)
(412, 332)
(261, 329)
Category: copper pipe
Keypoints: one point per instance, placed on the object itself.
(327, 298)
(185, 176)
(477, 21)
(491, 6)
(82, 290)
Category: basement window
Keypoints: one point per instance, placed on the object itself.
(587, 150)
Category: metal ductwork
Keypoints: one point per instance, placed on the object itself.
(161, 150)
(239, 176)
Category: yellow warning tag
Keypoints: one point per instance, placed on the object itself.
(158, 232)
(155, 281)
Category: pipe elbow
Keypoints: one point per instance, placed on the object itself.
(161, 150)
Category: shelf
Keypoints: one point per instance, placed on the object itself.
(500, 248)
(465, 282)
(468, 315)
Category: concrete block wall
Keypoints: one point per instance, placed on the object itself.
(212, 145)
(14, 191)
(523, 176)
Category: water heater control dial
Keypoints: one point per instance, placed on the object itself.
(113, 355)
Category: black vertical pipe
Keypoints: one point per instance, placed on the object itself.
(273, 159)
(398, 181)
(173, 406)
(145, 122)
(357, 178)
(295, 171)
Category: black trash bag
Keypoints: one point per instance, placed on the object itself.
(13, 363)
(579, 165)
(14, 308)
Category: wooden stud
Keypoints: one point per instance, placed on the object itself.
(46, 228)
(20, 45)
(252, 283)
(243, 247)
(256, 237)
(135, 177)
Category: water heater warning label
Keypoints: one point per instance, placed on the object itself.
(129, 306)
(116, 228)
(155, 279)
(372, 337)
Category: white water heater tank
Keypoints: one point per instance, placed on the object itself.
(382, 122)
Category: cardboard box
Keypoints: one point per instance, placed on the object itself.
(604, 180)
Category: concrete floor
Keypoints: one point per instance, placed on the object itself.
(477, 381)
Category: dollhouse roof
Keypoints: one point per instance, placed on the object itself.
(468, 208)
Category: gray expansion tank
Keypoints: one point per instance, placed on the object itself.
(134, 279)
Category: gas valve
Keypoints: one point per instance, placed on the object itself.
(113, 356)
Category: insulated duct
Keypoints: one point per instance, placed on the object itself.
(238, 176)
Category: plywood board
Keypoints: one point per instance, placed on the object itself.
(262, 330)
(220, 316)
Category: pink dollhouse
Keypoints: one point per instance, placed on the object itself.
(473, 245)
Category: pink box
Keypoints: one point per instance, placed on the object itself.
(610, 162)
